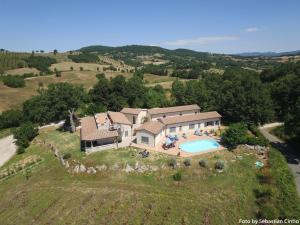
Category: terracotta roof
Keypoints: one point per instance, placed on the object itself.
(190, 118)
(153, 127)
(101, 118)
(118, 117)
(133, 111)
(90, 132)
(183, 108)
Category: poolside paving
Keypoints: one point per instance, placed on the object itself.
(175, 150)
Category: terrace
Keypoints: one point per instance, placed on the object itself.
(176, 149)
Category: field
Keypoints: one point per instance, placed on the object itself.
(19, 95)
(86, 78)
(21, 71)
(65, 66)
(50, 195)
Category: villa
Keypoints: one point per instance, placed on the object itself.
(144, 128)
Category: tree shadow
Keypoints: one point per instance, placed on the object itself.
(292, 156)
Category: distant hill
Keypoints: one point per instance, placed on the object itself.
(142, 50)
(268, 54)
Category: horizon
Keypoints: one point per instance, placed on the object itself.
(225, 28)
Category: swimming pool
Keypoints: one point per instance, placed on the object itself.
(199, 145)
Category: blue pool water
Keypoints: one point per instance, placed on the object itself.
(199, 146)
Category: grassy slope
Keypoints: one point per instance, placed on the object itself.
(52, 196)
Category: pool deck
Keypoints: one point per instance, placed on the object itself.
(174, 151)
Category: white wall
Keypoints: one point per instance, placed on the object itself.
(139, 117)
(159, 116)
(142, 133)
(185, 127)
(124, 128)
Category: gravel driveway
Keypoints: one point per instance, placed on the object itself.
(7, 149)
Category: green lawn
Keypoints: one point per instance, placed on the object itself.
(53, 196)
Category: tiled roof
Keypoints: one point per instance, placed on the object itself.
(101, 118)
(190, 118)
(133, 111)
(183, 108)
(90, 132)
(118, 117)
(153, 127)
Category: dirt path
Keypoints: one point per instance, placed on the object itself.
(292, 157)
(7, 149)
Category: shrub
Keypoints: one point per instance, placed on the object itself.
(177, 176)
(234, 135)
(10, 118)
(220, 165)
(81, 68)
(173, 163)
(187, 162)
(24, 134)
(67, 155)
(203, 163)
(14, 81)
(41, 63)
(58, 73)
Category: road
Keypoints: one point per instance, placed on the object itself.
(292, 158)
(7, 149)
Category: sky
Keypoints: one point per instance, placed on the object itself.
(218, 26)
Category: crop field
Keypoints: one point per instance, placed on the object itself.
(10, 60)
(51, 195)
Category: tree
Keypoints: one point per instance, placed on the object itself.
(24, 134)
(10, 118)
(178, 92)
(54, 103)
(55, 51)
(14, 81)
(234, 135)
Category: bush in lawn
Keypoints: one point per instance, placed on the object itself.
(187, 162)
(14, 81)
(203, 163)
(234, 135)
(172, 163)
(177, 176)
(220, 165)
(24, 134)
(67, 155)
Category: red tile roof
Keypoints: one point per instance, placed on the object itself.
(153, 127)
(117, 117)
(90, 132)
(133, 111)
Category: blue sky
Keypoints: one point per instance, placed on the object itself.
(223, 26)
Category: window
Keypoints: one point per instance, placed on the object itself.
(145, 140)
(180, 114)
(191, 126)
(199, 125)
(172, 129)
(126, 133)
(217, 123)
(134, 120)
(209, 123)
(164, 116)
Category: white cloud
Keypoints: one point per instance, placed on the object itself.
(200, 40)
(251, 29)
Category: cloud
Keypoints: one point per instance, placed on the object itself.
(251, 29)
(200, 40)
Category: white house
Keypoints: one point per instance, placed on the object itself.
(146, 126)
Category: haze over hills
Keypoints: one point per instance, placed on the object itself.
(269, 54)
